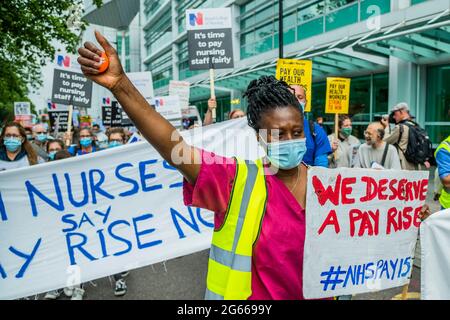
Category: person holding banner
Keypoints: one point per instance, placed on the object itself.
(316, 138)
(54, 146)
(15, 149)
(257, 246)
(40, 141)
(116, 137)
(346, 146)
(86, 143)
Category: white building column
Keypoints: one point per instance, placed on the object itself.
(175, 68)
(403, 84)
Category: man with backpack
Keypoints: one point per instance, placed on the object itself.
(414, 147)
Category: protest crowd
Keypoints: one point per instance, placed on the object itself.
(276, 209)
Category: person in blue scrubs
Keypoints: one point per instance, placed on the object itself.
(318, 148)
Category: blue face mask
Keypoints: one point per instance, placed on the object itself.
(286, 154)
(51, 155)
(41, 137)
(86, 142)
(114, 144)
(12, 144)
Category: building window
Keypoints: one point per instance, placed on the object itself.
(161, 68)
(300, 21)
(127, 45)
(437, 114)
(119, 45)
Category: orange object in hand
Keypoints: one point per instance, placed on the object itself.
(104, 63)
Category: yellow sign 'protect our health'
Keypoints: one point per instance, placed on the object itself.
(338, 95)
(297, 72)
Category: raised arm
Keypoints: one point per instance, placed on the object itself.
(212, 104)
(157, 130)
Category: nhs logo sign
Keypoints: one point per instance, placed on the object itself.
(196, 19)
(203, 19)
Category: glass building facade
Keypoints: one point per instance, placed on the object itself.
(256, 35)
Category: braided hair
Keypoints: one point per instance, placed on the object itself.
(266, 94)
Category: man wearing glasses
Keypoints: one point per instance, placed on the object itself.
(376, 153)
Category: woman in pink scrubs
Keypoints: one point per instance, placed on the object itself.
(277, 257)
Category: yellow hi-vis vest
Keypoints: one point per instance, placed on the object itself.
(445, 195)
(230, 258)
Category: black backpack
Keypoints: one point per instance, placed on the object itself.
(420, 148)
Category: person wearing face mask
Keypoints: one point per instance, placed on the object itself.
(54, 146)
(346, 146)
(29, 133)
(280, 189)
(86, 143)
(376, 153)
(15, 150)
(40, 141)
(318, 146)
(116, 137)
(257, 245)
(259, 209)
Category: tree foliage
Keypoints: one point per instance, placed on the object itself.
(28, 31)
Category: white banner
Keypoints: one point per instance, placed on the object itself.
(180, 89)
(361, 229)
(143, 82)
(83, 218)
(22, 108)
(168, 106)
(435, 262)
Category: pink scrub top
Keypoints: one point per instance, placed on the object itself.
(277, 261)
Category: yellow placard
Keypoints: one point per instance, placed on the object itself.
(338, 95)
(296, 72)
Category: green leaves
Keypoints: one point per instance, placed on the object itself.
(29, 30)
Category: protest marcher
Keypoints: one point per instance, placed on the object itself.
(442, 155)
(29, 133)
(100, 138)
(53, 146)
(251, 257)
(75, 292)
(39, 143)
(116, 137)
(212, 104)
(86, 143)
(15, 150)
(62, 154)
(437, 185)
(319, 121)
(345, 147)
(318, 146)
(404, 136)
(376, 153)
(280, 197)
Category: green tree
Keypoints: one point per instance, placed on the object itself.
(27, 30)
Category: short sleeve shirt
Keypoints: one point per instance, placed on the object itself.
(277, 259)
